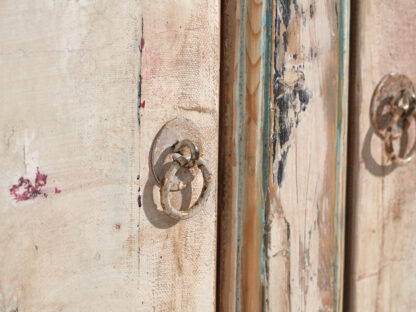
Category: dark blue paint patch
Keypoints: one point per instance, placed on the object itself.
(281, 167)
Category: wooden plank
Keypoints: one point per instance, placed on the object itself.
(68, 95)
(180, 72)
(245, 77)
(71, 73)
(305, 220)
(381, 211)
(292, 233)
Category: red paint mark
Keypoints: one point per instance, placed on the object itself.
(25, 189)
(161, 257)
(142, 104)
(57, 191)
(142, 43)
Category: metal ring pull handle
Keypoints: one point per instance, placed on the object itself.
(180, 160)
(392, 108)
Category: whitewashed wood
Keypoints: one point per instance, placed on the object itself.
(382, 201)
(305, 222)
(69, 78)
(180, 73)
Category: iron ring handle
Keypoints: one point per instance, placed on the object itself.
(185, 161)
(391, 153)
(166, 185)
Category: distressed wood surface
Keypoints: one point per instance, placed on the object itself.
(296, 255)
(180, 72)
(381, 262)
(245, 77)
(84, 88)
(305, 224)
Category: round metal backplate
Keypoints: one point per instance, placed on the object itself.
(162, 148)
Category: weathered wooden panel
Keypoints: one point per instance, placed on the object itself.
(245, 78)
(84, 87)
(305, 220)
(381, 249)
(180, 72)
(68, 102)
(292, 178)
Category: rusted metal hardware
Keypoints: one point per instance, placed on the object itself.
(167, 183)
(393, 107)
(174, 131)
(180, 139)
(180, 153)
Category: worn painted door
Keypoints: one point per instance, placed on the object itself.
(85, 87)
(381, 245)
(283, 158)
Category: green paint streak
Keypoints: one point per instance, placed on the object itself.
(267, 42)
(342, 124)
(263, 131)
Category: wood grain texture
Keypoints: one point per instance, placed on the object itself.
(286, 244)
(382, 199)
(305, 221)
(245, 90)
(84, 88)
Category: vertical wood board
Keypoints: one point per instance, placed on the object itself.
(180, 78)
(84, 88)
(382, 198)
(305, 222)
(246, 60)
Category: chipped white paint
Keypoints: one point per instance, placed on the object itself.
(69, 80)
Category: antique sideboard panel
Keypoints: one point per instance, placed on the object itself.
(305, 221)
(283, 164)
(84, 88)
(381, 245)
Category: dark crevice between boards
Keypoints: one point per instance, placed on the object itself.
(351, 156)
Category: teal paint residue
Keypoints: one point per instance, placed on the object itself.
(267, 64)
(263, 130)
(342, 123)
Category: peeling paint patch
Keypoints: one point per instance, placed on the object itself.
(285, 5)
(281, 167)
(291, 99)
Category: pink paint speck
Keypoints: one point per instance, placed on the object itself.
(143, 104)
(25, 189)
(57, 191)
